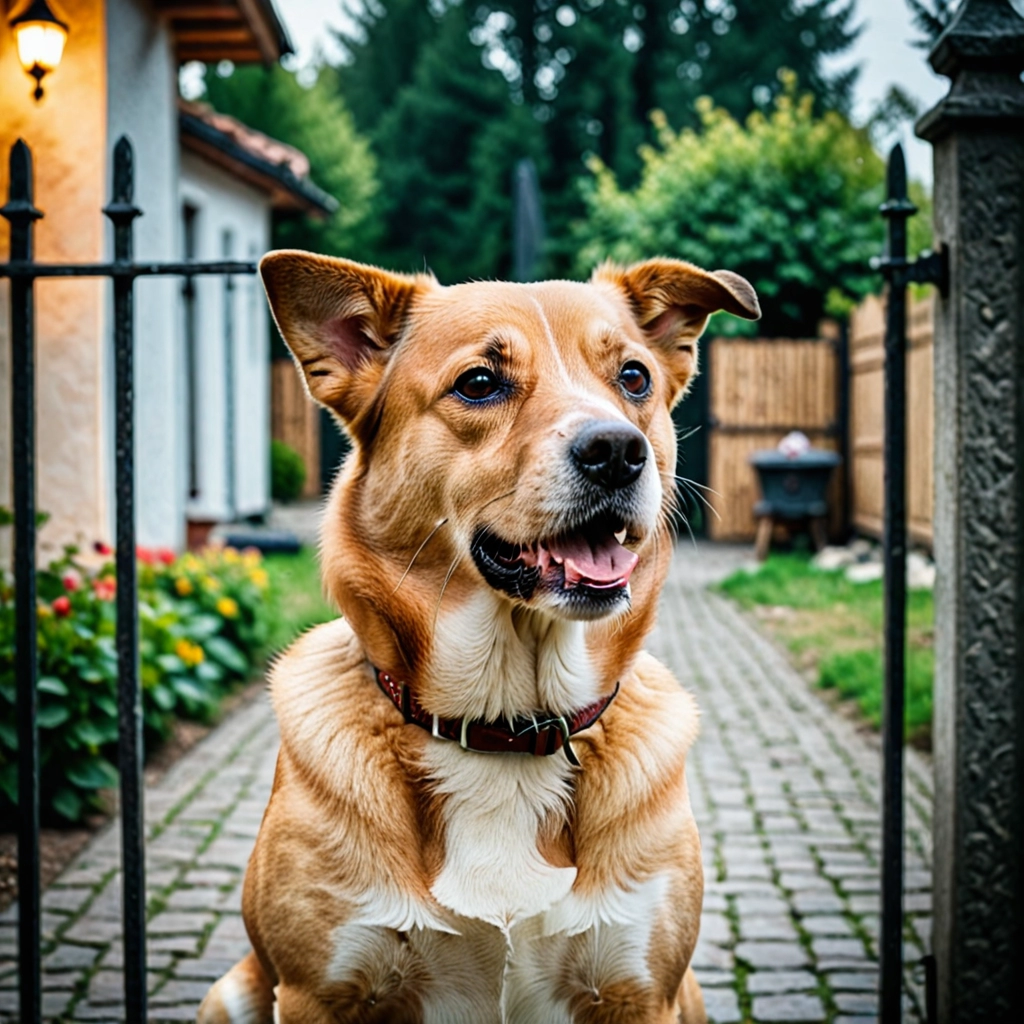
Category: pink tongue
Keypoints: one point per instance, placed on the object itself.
(604, 564)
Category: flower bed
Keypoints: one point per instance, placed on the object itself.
(201, 631)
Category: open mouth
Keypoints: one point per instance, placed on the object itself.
(590, 563)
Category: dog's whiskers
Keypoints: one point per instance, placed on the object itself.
(507, 494)
(444, 587)
(691, 489)
(419, 550)
(703, 487)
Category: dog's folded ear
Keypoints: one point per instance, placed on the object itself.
(339, 319)
(672, 300)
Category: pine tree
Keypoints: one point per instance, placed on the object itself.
(436, 84)
(447, 142)
(931, 17)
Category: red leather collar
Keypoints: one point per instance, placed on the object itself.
(540, 734)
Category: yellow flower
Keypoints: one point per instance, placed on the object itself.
(260, 578)
(231, 555)
(228, 607)
(183, 586)
(251, 558)
(190, 653)
(43, 610)
(211, 583)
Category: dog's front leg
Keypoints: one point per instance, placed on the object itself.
(691, 1000)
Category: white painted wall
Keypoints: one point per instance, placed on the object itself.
(228, 207)
(141, 102)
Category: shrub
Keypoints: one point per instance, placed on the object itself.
(789, 199)
(201, 629)
(287, 472)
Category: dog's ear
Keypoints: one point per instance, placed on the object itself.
(340, 320)
(671, 301)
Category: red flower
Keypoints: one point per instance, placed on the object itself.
(62, 607)
(145, 555)
(165, 555)
(72, 581)
(105, 588)
(102, 549)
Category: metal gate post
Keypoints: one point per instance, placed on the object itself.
(122, 212)
(896, 210)
(21, 214)
(899, 272)
(977, 132)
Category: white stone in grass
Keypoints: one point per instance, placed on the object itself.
(828, 559)
(865, 572)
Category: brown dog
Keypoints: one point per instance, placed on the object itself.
(480, 812)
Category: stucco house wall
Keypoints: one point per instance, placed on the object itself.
(142, 77)
(232, 221)
(66, 132)
(118, 77)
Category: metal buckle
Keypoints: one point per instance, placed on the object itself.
(433, 729)
(566, 744)
(462, 734)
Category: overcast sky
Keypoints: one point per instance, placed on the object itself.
(883, 50)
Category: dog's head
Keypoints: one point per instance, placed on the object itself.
(512, 440)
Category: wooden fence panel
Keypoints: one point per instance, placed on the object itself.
(761, 389)
(295, 420)
(867, 420)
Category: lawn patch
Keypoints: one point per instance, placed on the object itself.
(296, 596)
(834, 628)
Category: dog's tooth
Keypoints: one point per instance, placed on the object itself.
(621, 535)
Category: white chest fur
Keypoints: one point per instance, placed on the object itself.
(494, 807)
(489, 660)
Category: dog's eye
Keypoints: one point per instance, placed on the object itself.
(635, 379)
(477, 384)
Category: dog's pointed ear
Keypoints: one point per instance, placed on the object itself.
(340, 320)
(671, 301)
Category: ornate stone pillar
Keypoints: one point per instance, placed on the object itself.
(978, 135)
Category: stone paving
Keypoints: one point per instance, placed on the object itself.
(785, 792)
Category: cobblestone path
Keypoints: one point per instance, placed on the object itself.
(786, 796)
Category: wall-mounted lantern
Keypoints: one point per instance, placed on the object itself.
(40, 36)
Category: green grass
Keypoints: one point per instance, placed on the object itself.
(833, 628)
(296, 597)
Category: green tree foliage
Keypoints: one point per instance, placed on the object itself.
(931, 17)
(485, 85)
(789, 199)
(447, 142)
(316, 121)
(599, 67)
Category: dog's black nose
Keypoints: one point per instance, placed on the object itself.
(611, 455)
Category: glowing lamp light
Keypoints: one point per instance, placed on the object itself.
(40, 36)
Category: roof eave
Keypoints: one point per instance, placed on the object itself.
(286, 190)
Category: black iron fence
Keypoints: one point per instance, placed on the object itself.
(23, 271)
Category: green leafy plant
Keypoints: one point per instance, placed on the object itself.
(789, 199)
(201, 630)
(287, 472)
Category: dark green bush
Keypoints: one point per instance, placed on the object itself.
(287, 472)
(788, 199)
(201, 629)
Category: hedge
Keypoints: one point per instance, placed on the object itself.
(201, 630)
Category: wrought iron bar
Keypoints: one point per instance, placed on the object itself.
(122, 212)
(185, 268)
(896, 209)
(899, 272)
(21, 213)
